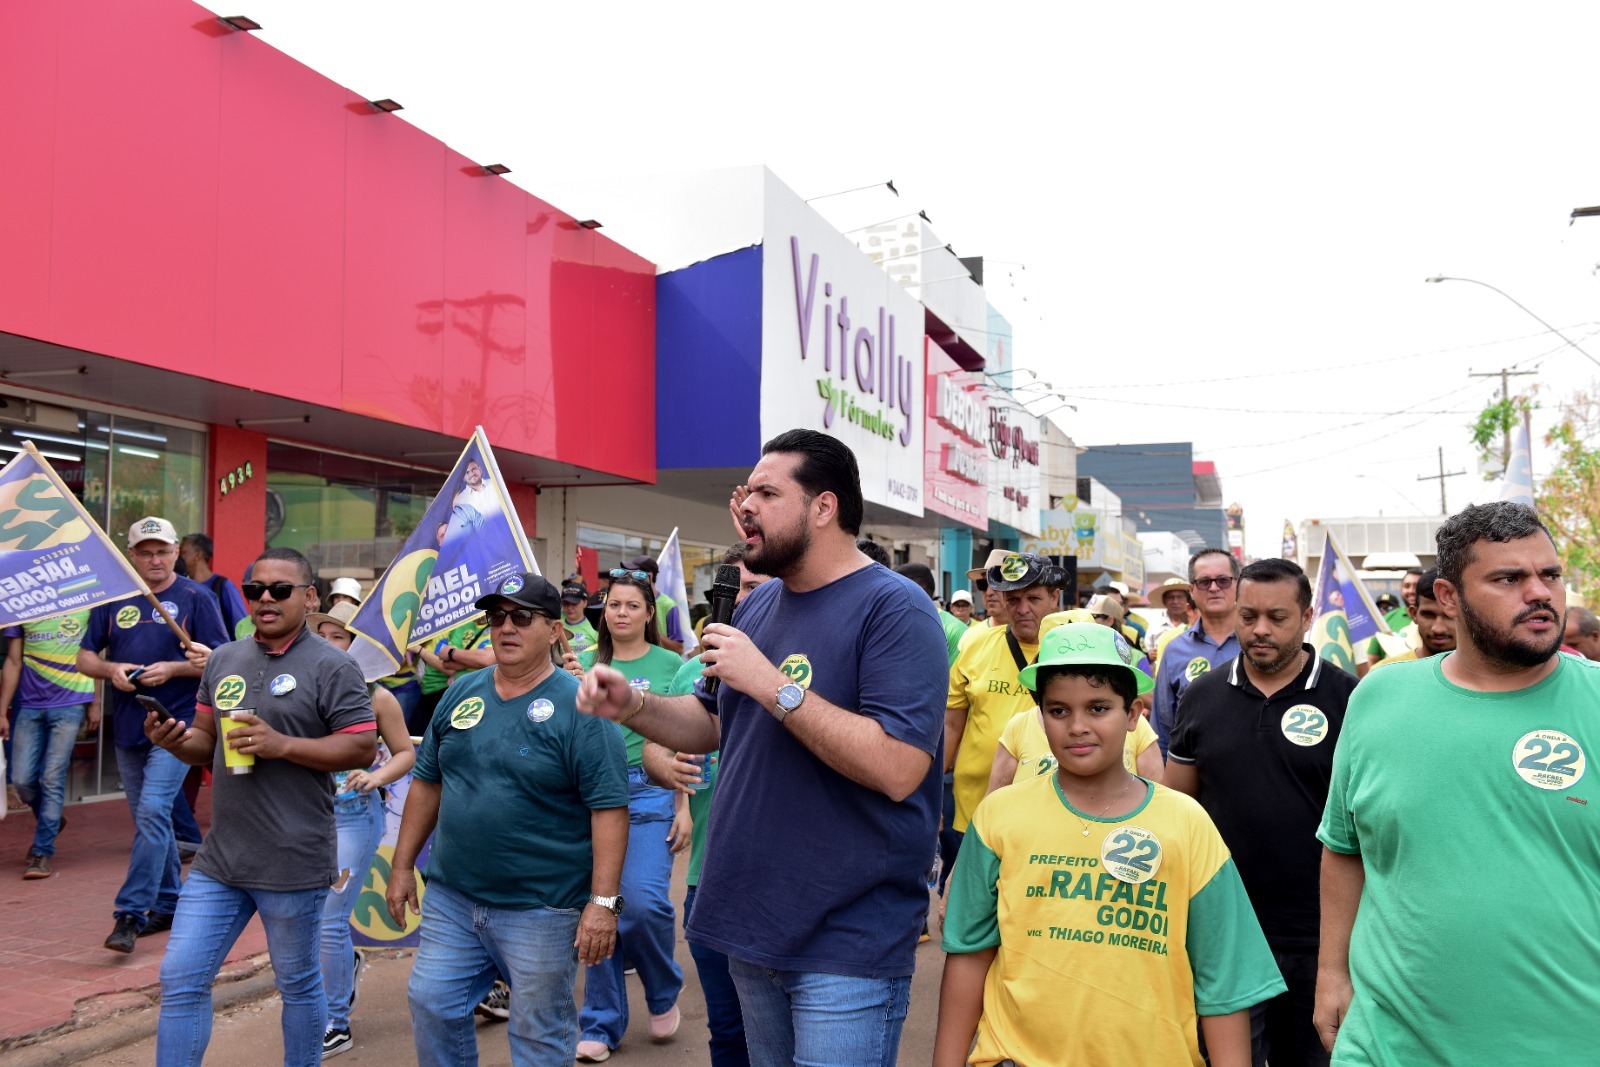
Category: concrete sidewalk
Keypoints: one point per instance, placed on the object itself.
(54, 974)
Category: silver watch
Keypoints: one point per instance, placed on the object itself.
(611, 904)
(789, 698)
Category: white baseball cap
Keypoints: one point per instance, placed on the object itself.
(961, 596)
(346, 587)
(152, 528)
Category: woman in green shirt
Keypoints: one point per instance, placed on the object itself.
(629, 640)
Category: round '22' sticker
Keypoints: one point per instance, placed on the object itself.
(127, 618)
(1131, 854)
(229, 693)
(1304, 725)
(1548, 759)
(465, 715)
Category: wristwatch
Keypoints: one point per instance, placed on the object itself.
(611, 904)
(789, 698)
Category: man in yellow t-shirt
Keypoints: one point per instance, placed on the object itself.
(984, 691)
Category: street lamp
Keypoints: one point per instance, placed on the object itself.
(1520, 304)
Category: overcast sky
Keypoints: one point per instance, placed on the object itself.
(1206, 222)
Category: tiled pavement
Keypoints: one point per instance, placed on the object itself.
(51, 929)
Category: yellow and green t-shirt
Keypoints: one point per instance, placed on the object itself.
(983, 681)
(1108, 945)
(50, 677)
(1025, 739)
(650, 673)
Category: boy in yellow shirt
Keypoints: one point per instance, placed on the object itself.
(1097, 914)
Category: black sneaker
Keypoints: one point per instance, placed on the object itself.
(335, 1042)
(156, 922)
(497, 1005)
(38, 866)
(355, 978)
(124, 934)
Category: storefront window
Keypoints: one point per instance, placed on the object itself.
(122, 469)
(348, 515)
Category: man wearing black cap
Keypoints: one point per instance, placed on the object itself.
(664, 603)
(984, 692)
(527, 802)
(581, 633)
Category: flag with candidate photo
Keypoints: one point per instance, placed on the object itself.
(469, 541)
(54, 558)
(670, 582)
(1344, 617)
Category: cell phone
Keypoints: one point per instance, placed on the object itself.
(150, 703)
(134, 674)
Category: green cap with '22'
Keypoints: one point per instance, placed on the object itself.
(1086, 644)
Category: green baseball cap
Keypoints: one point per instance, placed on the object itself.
(1086, 644)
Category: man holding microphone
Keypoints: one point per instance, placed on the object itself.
(829, 718)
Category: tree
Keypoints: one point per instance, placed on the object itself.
(1569, 495)
(1491, 433)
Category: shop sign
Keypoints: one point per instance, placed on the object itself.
(841, 351)
(956, 473)
(1014, 464)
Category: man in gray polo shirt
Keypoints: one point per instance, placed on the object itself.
(297, 708)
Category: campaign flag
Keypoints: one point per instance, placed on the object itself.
(54, 558)
(1291, 543)
(1344, 618)
(469, 541)
(1517, 485)
(670, 583)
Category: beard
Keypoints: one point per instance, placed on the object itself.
(1503, 645)
(779, 554)
(1283, 656)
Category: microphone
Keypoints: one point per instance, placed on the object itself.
(724, 592)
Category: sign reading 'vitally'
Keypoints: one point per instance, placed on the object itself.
(841, 350)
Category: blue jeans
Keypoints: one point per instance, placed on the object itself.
(210, 916)
(360, 823)
(795, 1018)
(151, 777)
(647, 928)
(41, 750)
(184, 826)
(464, 945)
(724, 1018)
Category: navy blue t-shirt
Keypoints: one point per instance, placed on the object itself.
(805, 869)
(132, 631)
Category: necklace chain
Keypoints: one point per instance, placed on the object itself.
(1107, 808)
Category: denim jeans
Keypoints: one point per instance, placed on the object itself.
(359, 820)
(724, 1018)
(184, 826)
(41, 748)
(820, 1020)
(151, 777)
(464, 945)
(210, 916)
(647, 928)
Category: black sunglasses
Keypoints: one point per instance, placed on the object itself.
(279, 590)
(521, 618)
(638, 576)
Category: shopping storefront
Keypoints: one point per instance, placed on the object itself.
(247, 299)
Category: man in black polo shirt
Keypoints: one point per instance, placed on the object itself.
(1253, 742)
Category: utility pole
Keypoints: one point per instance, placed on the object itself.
(1444, 509)
(1505, 374)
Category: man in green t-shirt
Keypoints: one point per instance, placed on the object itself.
(1398, 618)
(581, 634)
(1462, 859)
